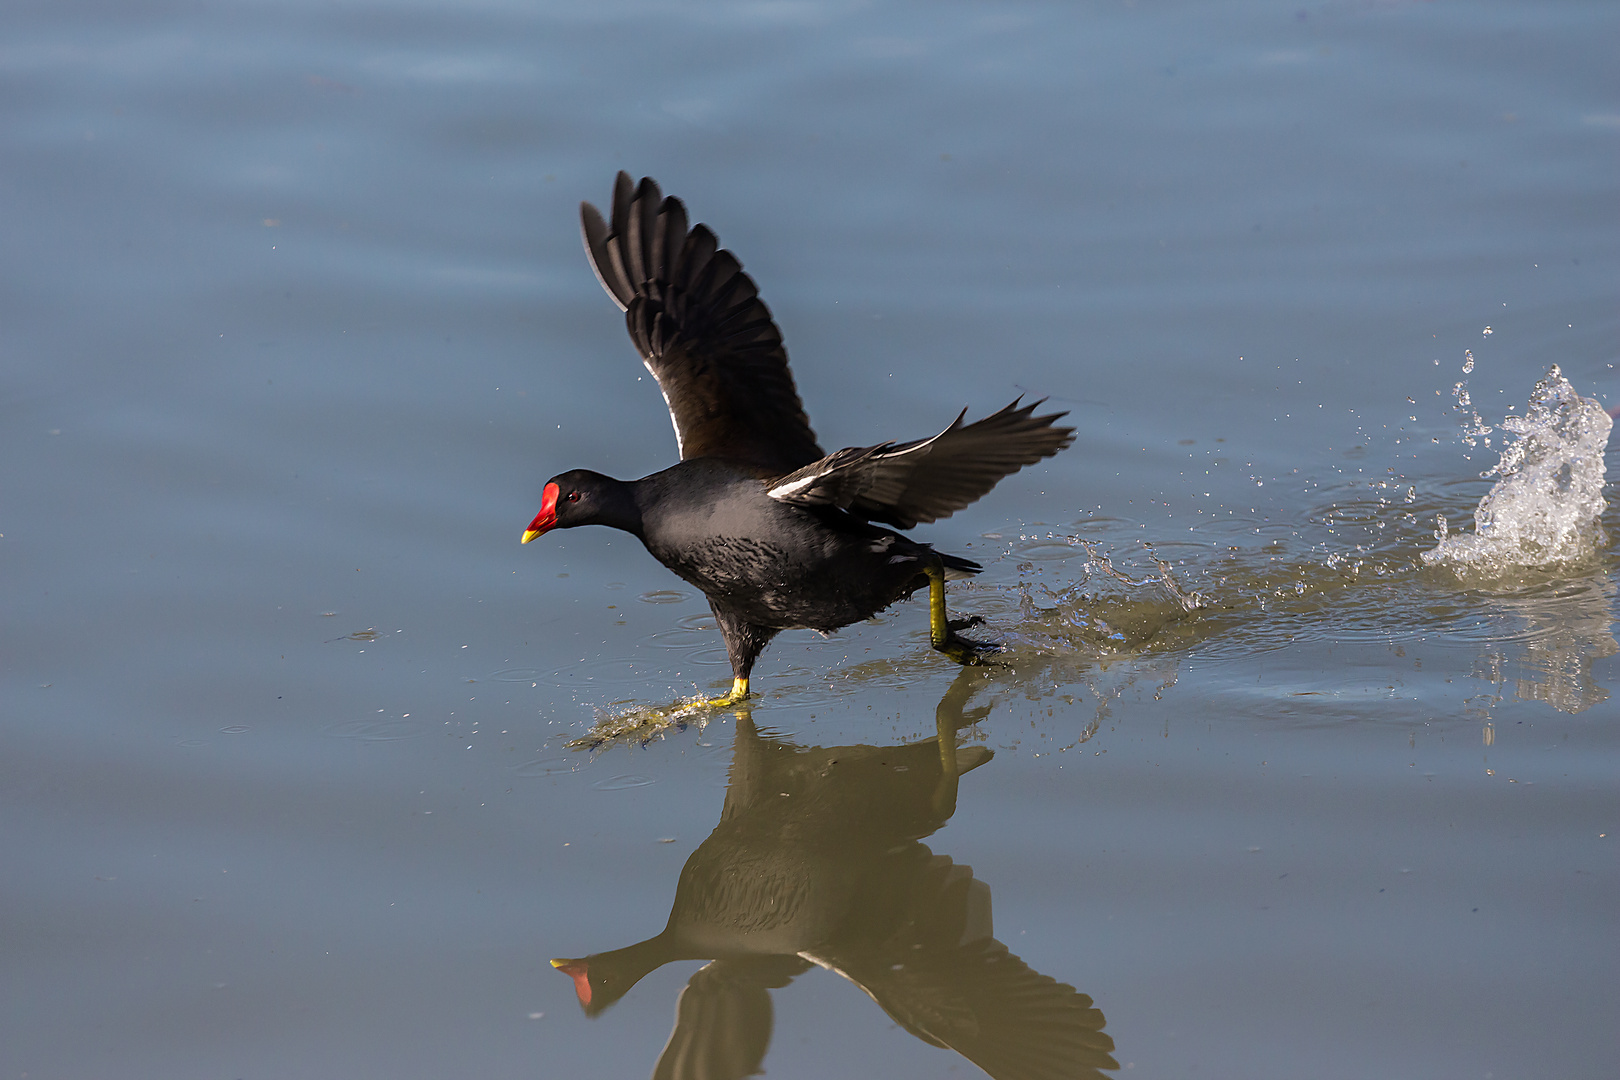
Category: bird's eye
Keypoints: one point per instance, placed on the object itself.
(573, 496)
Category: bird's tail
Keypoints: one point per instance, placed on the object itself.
(957, 567)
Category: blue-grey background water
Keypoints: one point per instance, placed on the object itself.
(295, 322)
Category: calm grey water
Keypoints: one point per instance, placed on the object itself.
(296, 322)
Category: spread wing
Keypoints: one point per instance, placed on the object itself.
(995, 1010)
(702, 331)
(906, 483)
(723, 1019)
(943, 976)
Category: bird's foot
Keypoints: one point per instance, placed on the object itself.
(966, 651)
(942, 630)
(739, 693)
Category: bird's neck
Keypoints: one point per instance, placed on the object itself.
(620, 507)
(614, 973)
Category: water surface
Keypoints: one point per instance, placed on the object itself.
(297, 322)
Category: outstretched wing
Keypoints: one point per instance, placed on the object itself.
(995, 1010)
(702, 331)
(723, 1019)
(941, 974)
(906, 483)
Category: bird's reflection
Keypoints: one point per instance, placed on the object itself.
(818, 860)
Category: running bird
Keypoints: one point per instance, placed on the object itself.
(777, 534)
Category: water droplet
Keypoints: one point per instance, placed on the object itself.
(1468, 361)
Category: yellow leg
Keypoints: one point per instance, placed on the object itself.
(739, 691)
(939, 628)
(941, 635)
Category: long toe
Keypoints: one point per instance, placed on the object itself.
(966, 651)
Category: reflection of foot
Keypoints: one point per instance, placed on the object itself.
(966, 651)
(963, 624)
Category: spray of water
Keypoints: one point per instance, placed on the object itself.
(1544, 509)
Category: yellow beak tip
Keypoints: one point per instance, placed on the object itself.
(530, 534)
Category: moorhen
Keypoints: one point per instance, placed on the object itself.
(777, 534)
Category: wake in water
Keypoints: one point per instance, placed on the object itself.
(1540, 522)
(1361, 568)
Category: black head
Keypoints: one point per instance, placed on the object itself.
(603, 978)
(582, 497)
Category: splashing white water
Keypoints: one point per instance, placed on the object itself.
(1546, 506)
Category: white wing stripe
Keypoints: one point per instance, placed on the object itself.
(680, 443)
(793, 487)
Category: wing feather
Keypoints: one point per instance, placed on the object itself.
(595, 231)
(944, 977)
(907, 483)
(701, 329)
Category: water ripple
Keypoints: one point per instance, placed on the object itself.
(376, 730)
(623, 782)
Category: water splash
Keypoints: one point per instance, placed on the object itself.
(1545, 508)
(1475, 429)
(1101, 611)
(1097, 561)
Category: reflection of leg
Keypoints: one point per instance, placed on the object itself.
(949, 718)
(942, 631)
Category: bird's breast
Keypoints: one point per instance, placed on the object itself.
(775, 564)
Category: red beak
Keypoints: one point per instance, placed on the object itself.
(546, 519)
(579, 971)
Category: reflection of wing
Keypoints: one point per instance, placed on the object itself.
(723, 1019)
(993, 1009)
(702, 331)
(931, 478)
(943, 978)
